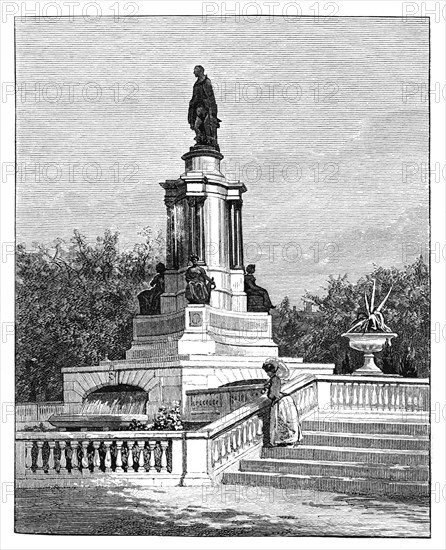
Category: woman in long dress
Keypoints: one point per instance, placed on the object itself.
(253, 289)
(150, 299)
(199, 284)
(285, 428)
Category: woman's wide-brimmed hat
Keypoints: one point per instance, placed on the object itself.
(283, 372)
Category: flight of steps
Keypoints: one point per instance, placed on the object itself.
(374, 455)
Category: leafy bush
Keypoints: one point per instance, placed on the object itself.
(75, 305)
(167, 419)
(38, 428)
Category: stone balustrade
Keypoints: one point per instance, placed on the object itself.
(81, 455)
(241, 432)
(389, 394)
(214, 403)
(232, 443)
(29, 414)
(197, 457)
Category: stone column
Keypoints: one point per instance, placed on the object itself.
(196, 224)
(238, 233)
(171, 245)
(231, 231)
(235, 236)
(201, 250)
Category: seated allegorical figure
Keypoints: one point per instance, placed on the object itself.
(150, 299)
(257, 297)
(199, 284)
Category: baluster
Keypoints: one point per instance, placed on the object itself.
(84, 454)
(229, 448)
(239, 437)
(39, 461)
(62, 460)
(164, 446)
(28, 455)
(130, 462)
(373, 398)
(96, 456)
(380, 396)
(214, 452)
(107, 459)
(337, 394)
(360, 397)
(403, 398)
(387, 400)
(74, 457)
(119, 456)
(248, 432)
(259, 428)
(234, 439)
(381, 389)
(245, 435)
(338, 389)
(391, 397)
(222, 448)
(415, 398)
(357, 395)
(141, 445)
(407, 399)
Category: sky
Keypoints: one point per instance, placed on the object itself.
(324, 120)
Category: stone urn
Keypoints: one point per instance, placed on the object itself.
(369, 343)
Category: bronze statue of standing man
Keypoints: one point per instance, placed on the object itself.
(202, 114)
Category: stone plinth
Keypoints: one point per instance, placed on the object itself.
(202, 330)
(168, 380)
(204, 217)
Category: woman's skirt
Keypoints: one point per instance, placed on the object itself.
(285, 426)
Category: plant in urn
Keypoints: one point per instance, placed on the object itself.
(370, 333)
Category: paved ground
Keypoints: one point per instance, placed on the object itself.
(216, 511)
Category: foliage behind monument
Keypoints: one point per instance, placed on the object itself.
(75, 303)
(74, 306)
(316, 336)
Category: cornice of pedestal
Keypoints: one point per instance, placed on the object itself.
(202, 151)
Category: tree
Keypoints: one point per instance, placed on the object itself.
(75, 304)
(317, 337)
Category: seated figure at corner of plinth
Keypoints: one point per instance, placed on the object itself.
(150, 299)
(198, 284)
(258, 299)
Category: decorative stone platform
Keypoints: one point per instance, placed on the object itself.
(168, 380)
(193, 346)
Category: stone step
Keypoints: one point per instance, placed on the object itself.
(367, 427)
(325, 468)
(349, 485)
(345, 454)
(159, 352)
(372, 441)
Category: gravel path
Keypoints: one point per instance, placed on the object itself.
(223, 510)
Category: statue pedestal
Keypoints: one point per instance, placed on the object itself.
(209, 330)
(191, 346)
(204, 218)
